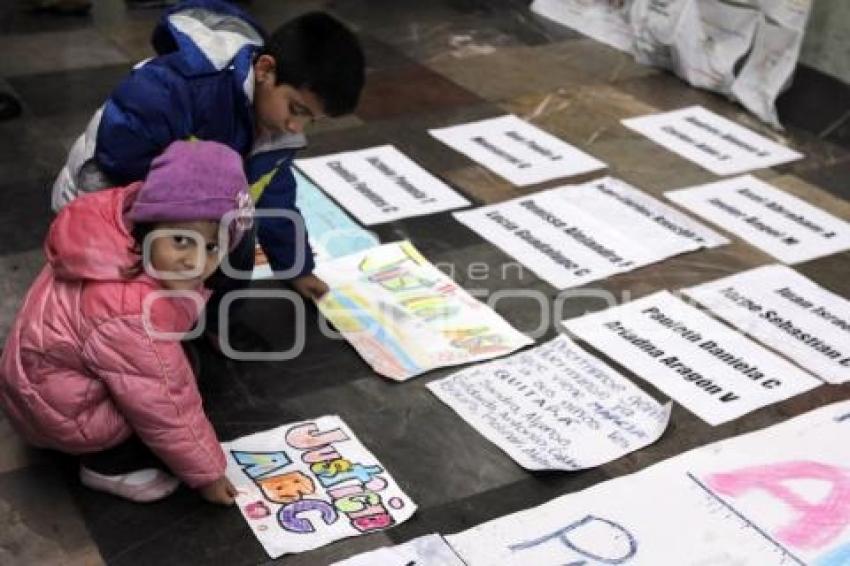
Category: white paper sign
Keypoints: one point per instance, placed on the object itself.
(514, 149)
(787, 312)
(307, 484)
(428, 550)
(776, 497)
(603, 20)
(782, 225)
(701, 41)
(555, 407)
(711, 141)
(572, 235)
(380, 184)
(745, 50)
(406, 317)
(715, 372)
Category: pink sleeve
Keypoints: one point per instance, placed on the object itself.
(154, 388)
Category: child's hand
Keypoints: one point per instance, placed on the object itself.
(220, 491)
(310, 286)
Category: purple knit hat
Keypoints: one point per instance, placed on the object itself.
(194, 180)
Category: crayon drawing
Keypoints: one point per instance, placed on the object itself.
(310, 483)
(406, 317)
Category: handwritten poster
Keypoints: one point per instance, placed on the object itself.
(331, 232)
(428, 550)
(711, 141)
(775, 497)
(715, 372)
(782, 225)
(746, 50)
(380, 184)
(701, 41)
(554, 407)
(572, 235)
(514, 149)
(310, 483)
(406, 317)
(771, 63)
(788, 312)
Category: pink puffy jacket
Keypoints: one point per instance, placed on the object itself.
(80, 372)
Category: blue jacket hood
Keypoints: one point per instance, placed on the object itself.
(206, 36)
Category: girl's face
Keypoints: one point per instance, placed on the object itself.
(184, 254)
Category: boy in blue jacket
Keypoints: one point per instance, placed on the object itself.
(218, 77)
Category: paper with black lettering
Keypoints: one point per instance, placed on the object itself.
(554, 407)
(713, 371)
(780, 224)
(572, 235)
(712, 141)
(380, 184)
(516, 150)
(787, 312)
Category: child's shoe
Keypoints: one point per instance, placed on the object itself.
(141, 486)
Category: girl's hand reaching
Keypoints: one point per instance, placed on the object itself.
(220, 491)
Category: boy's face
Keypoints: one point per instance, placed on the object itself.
(281, 108)
(184, 254)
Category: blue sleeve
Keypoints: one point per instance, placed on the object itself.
(283, 243)
(150, 109)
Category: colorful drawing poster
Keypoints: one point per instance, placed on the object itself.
(307, 484)
(776, 497)
(514, 149)
(380, 184)
(554, 407)
(428, 550)
(332, 233)
(712, 370)
(572, 235)
(711, 141)
(782, 225)
(788, 312)
(406, 317)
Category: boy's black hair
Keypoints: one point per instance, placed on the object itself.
(318, 52)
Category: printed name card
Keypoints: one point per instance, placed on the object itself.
(711, 141)
(514, 149)
(788, 312)
(572, 235)
(307, 484)
(380, 184)
(715, 372)
(554, 407)
(782, 225)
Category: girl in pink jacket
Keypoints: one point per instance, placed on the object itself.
(93, 364)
